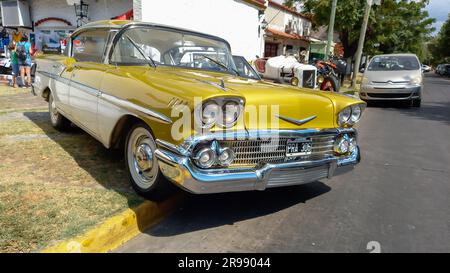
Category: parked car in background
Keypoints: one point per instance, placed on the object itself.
(426, 68)
(443, 69)
(287, 69)
(393, 77)
(122, 81)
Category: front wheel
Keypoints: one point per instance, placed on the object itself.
(142, 164)
(330, 83)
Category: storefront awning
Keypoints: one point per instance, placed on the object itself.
(126, 16)
(284, 35)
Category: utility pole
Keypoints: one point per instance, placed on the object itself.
(331, 28)
(362, 36)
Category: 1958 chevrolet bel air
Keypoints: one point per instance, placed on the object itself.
(183, 111)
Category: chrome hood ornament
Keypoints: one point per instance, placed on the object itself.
(297, 121)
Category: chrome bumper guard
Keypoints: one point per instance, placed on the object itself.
(177, 167)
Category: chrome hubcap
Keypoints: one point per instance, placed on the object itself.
(144, 157)
(142, 162)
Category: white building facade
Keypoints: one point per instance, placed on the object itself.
(237, 21)
(49, 21)
(287, 32)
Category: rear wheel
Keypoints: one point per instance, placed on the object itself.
(142, 164)
(330, 83)
(57, 120)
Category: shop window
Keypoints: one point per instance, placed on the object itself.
(270, 50)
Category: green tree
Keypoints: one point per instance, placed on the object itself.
(439, 47)
(394, 26)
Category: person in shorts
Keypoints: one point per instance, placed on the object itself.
(23, 51)
(14, 63)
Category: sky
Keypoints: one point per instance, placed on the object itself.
(438, 9)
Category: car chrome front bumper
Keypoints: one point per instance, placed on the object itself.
(179, 169)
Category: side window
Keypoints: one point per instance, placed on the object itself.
(125, 52)
(244, 68)
(89, 46)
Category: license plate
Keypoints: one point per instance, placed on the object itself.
(298, 147)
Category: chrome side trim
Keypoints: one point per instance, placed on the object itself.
(297, 121)
(85, 88)
(221, 86)
(129, 105)
(54, 76)
(109, 98)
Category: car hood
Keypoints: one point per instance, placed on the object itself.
(394, 76)
(273, 106)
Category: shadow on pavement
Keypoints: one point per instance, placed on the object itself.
(431, 111)
(201, 212)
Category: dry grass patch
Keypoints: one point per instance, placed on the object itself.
(15, 99)
(53, 185)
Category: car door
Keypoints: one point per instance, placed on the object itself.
(86, 76)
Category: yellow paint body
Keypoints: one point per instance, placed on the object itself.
(155, 87)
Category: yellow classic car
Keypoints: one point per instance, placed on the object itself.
(186, 112)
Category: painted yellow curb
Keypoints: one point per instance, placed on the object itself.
(118, 229)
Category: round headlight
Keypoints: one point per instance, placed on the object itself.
(231, 111)
(356, 114)
(205, 158)
(342, 145)
(344, 115)
(226, 157)
(294, 81)
(351, 144)
(210, 114)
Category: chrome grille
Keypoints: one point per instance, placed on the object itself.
(250, 153)
(286, 177)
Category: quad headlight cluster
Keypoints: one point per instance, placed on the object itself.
(224, 112)
(350, 115)
(213, 155)
(345, 144)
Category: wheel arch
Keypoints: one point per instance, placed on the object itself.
(121, 129)
(46, 93)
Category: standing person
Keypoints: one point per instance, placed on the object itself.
(23, 51)
(14, 62)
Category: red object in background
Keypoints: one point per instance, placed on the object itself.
(126, 16)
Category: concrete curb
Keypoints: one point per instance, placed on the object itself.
(118, 229)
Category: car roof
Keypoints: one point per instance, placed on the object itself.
(120, 24)
(396, 54)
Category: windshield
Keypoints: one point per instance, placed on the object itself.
(139, 46)
(394, 63)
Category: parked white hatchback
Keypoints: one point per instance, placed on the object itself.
(393, 77)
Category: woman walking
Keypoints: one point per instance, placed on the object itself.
(23, 51)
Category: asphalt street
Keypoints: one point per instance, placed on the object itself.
(396, 200)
